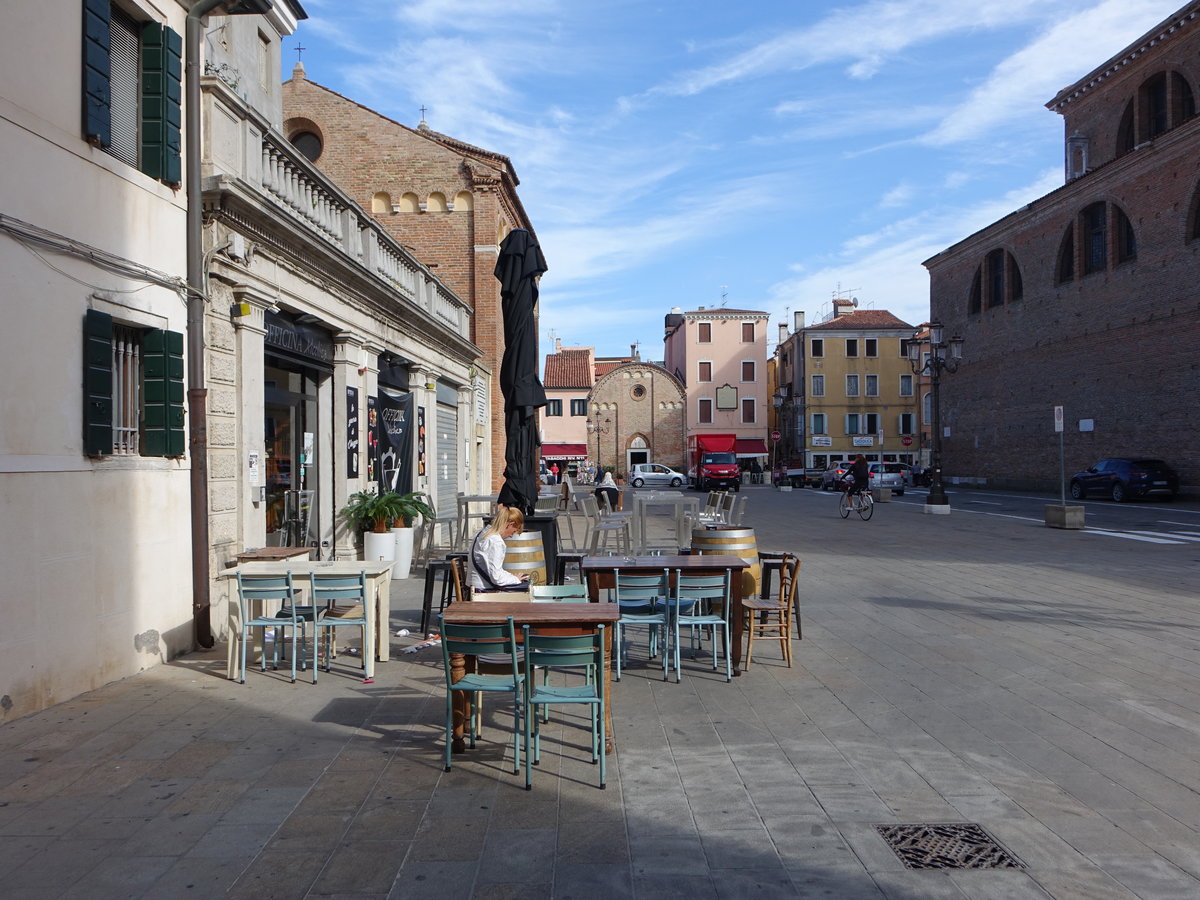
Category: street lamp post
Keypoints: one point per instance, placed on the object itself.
(599, 428)
(942, 356)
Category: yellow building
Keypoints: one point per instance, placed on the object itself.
(859, 393)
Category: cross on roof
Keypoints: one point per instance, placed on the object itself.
(423, 111)
(299, 50)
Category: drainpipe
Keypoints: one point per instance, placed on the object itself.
(197, 393)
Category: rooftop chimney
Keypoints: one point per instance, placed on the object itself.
(798, 319)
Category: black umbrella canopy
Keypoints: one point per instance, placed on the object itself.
(518, 267)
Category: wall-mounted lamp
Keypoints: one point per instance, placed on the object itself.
(362, 370)
(429, 386)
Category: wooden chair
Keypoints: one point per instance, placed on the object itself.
(771, 617)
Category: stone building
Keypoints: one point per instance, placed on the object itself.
(450, 202)
(1089, 297)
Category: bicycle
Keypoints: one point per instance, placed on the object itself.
(863, 504)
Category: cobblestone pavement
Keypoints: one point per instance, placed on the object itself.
(1042, 684)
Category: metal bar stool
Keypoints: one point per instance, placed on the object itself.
(569, 558)
(433, 570)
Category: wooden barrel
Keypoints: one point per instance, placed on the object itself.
(526, 556)
(732, 540)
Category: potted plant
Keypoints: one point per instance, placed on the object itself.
(404, 509)
(374, 514)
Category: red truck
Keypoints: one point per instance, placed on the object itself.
(712, 462)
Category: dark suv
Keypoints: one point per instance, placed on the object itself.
(1124, 478)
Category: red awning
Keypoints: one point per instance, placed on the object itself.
(564, 451)
(751, 447)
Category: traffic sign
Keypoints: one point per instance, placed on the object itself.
(906, 441)
(775, 435)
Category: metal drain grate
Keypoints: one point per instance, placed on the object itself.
(952, 846)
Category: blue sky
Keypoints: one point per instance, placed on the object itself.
(758, 155)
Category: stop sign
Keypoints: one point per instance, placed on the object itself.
(775, 435)
(906, 441)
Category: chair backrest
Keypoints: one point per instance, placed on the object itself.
(478, 640)
(714, 588)
(565, 650)
(726, 506)
(738, 510)
(605, 506)
(640, 589)
(546, 504)
(788, 579)
(263, 587)
(333, 589)
(712, 505)
(563, 593)
(587, 503)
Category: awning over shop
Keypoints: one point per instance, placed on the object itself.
(746, 447)
(564, 451)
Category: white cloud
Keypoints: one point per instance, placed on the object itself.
(864, 37)
(1030, 77)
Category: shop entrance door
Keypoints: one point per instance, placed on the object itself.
(290, 429)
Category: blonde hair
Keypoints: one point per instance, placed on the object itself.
(505, 516)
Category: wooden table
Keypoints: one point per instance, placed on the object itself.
(378, 614)
(272, 554)
(549, 618)
(598, 571)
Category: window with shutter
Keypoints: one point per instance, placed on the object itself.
(133, 400)
(133, 90)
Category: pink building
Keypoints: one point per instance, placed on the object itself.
(720, 355)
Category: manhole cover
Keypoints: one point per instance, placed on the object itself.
(954, 846)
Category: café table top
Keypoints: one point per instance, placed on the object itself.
(682, 561)
(270, 554)
(305, 567)
(526, 612)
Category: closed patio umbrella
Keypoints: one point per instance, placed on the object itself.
(518, 267)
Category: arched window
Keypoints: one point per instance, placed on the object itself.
(409, 203)
(997, 281)
(1094, 228)
(1066, 257)
(464, 201)
(1126, 133)
(381, 202)
(1126, 240)
(436, 202)
(994, 264)
(1163, 101)
(974, 302)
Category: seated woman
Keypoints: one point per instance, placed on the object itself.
(609, 487)
(485, 565)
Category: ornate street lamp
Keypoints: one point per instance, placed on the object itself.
(599, 428)
(941, 356)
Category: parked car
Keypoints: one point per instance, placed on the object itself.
(888, 475)
(655, 473)
(831, 478)
(1124, 478)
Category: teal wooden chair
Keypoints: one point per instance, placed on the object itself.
(559, 593)
(702, 601)
(482, 640)
(565, 650)
(342, 603)
(254, 590)
(643, 601)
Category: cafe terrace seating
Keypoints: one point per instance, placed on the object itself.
(341, 601)
(483, 640)
(254, 591)
(643, 601)
(702, 601)
(771, 617)
(556, 650)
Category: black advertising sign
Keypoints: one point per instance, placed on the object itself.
(351, 432)
(395, 440)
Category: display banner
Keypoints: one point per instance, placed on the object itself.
(395, 440)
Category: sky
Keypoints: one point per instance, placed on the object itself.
(766, 155)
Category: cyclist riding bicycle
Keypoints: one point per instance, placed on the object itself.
(858, 478)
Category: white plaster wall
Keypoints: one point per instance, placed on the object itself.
(94, 553)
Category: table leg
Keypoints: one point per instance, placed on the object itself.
(737, 624)
(609, 744)
(461, 707)
(383, 616)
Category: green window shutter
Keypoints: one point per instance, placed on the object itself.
(97, 384)
(97, 93)
(162, 86)
(162, 394)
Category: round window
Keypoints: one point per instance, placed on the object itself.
(308, 144)
(638, 391)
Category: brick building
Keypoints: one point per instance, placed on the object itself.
(448, 201)
(1089, 297)
(637, 416)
